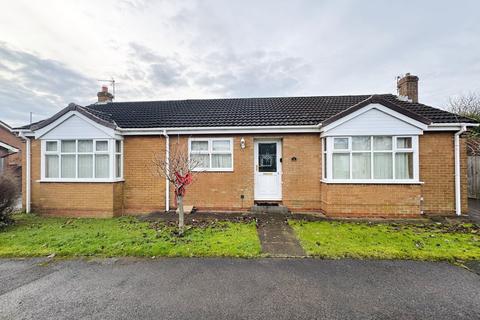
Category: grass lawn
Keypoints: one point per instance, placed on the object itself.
(126, 236)
(331, 239)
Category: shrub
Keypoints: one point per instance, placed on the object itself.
(8, 198)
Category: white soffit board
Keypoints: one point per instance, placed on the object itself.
(76, 127)
(374, 121)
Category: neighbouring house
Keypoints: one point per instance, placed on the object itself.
(10, 152)
(352, 156)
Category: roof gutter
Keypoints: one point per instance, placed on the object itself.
(449, 126)
(458, 198)
(462, 124)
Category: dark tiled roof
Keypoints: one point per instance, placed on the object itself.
(279, 111)
(282, 111)
(97, 116)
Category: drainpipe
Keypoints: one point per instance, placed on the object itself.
(167, 164)
(27, 177)
(458, 199)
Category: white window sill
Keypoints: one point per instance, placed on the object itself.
(359, 181)
(213, 170)
(82, 180)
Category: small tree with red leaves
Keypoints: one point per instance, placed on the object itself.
(179, 170)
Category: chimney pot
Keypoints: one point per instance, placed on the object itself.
(104, 96)
(407, 86)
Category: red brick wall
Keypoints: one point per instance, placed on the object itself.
(143, 191)
(301, 177)
(437, 171)
(371, 200)
(221, 190)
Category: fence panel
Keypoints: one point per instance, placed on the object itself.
(474, 177)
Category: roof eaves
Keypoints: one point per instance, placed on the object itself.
(8, 147)
(6, 126)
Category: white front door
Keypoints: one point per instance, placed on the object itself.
(268, 170)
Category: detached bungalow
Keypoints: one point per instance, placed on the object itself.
(352, 156)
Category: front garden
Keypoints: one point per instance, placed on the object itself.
(31, 235)
(363, 240)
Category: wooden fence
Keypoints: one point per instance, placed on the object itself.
(474, 177)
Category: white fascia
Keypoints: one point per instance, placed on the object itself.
(220, 130)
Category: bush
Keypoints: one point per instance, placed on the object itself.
(8, 198)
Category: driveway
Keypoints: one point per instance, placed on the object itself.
(236, 289)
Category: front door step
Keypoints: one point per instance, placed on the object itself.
(269, 208)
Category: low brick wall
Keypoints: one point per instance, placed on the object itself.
(75, 199)
(371, 200)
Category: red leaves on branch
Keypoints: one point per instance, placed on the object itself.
(181, 182)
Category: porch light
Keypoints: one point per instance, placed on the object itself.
(242, 143)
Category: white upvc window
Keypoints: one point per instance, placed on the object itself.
(118, 158)
(212, 154)
(370, 159)
(82, 160)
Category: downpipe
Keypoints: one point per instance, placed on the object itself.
(28, 180)
(458, 193)
(167, 163)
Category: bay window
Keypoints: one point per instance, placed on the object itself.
(211, 154)
(367, 159)
(82, 160)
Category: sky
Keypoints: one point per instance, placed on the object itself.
(54, 52)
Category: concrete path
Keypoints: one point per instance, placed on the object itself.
(236, 289)
(277, 237)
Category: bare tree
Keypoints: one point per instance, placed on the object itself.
(179, 170)
(469, 106)
(466, 105)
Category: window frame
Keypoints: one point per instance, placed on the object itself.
(115, 154)
(110, 151)
(328, 151)
(210, 152)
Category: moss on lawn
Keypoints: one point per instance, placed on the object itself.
(332, 239)
(39, 236)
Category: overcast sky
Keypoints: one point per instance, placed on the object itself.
(53, 52)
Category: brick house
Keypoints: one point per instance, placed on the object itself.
(10, 152)
(352, 156)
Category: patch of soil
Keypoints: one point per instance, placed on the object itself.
(469, 228)
(200, 223)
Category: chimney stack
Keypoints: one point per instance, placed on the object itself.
(104, 96)
(407, 86)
